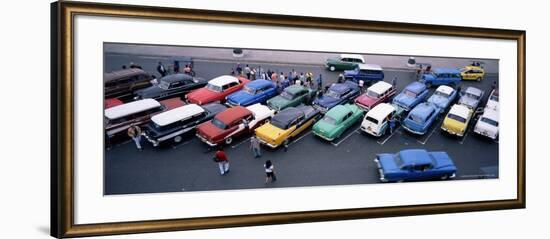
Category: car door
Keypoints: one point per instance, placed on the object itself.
(346, 122)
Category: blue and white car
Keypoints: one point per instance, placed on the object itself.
(258, 91)
(415, 165)
(421, 117)
(442, 76)
(411, 96)
(443, 97)
(338, 93)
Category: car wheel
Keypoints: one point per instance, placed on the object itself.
(445, 177)
(478, 79)
(332, 68)
(400, 181)
(177, 139)
(229, 140)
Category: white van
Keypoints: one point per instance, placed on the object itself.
(376, 122)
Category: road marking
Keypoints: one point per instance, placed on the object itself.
(347, 136)
(463, 138)
(387, 138)
(430, 135)
(301, 137)
(242, 142)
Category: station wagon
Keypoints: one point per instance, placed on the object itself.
(123, 83)
(336, 121)
(344, 62)
(216, 90)
(412, 95)
(378, 93)
(441, 76)
(258, 91)
(368, 73)
(376, 121)
(415, 165)
(420, 118)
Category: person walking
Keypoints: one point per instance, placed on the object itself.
(239, 69)
(341, 78)
(282, 77)
(161, 69)
(274, 77)
(223, 162)
(255, 146)
(247, 71)
(135, 133)
(362, 86)
(176, 67)
(319, 82)
(393, 123)
(260, 72)
(269, 172)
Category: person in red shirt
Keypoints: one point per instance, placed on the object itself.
(223, 161)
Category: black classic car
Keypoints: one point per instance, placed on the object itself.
(170, 86)
(172, 125)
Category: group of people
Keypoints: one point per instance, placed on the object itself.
(187, 69)
(280, 79)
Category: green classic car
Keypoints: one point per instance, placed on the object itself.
(344, 62)
(291, 96)
(337, 120)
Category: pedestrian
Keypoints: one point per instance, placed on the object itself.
(274, 77)
(282, 77)
(154, 80)
(494, 85)
(285, 82)
(268, 74)
(135, 133)
(247, 71)
(246, 125)
(320, 82)
(239, 69)
(302, 77)
(340, 78)
(187, 69)
(294, 74)
(269, 172)
(232, 72)
(252, 73)
(255, 146)
(298, 82)
(176, 67)
(161, 69)
(393, 123)
(394, 81)
(261, 72)
(362, 86)
(223, 162)
(309, 77)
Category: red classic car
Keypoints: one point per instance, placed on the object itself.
(231, 123)
(216, 90)
(378, 93)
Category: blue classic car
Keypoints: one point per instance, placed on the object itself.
(415, 165)
(441, 76)
(411, 96)
(443, 97)
(367, 72)
(258, 91)
(338, 93)
(421, 118)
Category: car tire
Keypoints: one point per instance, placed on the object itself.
(331, 68)
(445, 177)
(177, 139)
(229, 140)
(478, 79)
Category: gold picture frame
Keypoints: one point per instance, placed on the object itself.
(62, 118)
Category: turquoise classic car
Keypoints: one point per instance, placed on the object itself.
(337, 120)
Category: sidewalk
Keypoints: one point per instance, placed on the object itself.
(285, 57)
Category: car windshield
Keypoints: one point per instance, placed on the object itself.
(372, 94)
(218, 123)
(457, 118)
(329, 120)
(489, 121)
(332, 94)
(287, 95)
(442, 94)
(249, 90)
(416, 119)
(470, 95)
(164, 85)
(494, 98)
(410, 93)
(214, 87)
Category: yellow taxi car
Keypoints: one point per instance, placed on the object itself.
(286, 124)
(456, 121)
(476, 73)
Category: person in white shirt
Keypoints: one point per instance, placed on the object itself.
(269, 172)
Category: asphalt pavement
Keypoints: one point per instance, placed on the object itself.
(309, 161)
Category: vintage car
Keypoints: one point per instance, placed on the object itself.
(258, 91)
(175, 85)
(344, 62)
(336, 121)
(420, 118)
(292, 96)
(415, 165)
(456, 121)
(378, 93)
(338, 93)
(216, 90)
(487, 124)
(412, 95)
(471, 97)
(172, 125)
(368, 73)
(476, 73)
(376, 121)
(286, 124)
(119, 118)
(441, 76)
(443, 97)
(112, 102)
(232, 123)
(492, 102)
(123, 83)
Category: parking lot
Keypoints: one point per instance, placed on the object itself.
(309, 161)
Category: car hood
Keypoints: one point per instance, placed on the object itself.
(326, 101)
(387, 162)
(439, 101)
(324, 128)
(202, 95)
(209, 130)
(149, 92)
(470, 102)
(269, 132)
(240, 97)
(366, 100)
(278, 102)
(404, 100)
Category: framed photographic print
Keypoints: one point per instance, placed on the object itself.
(170, 119)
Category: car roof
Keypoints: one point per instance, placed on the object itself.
(287, 115)
(491, 114)
(176, 77)
(122, 73)
(473, 90)
(460, 110)
(258, 109)
(415, 156)
(131, 108)
(423, 110)
(381, 111)
(355, 56)
(445, 89)
(177, 114)
(446, 70)
(338, 112)
(293, 89)
(255, 84)
(380, 87)
(416, 87)
(339, 88)
(369, 67)
(237, 112)
(223, 80)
